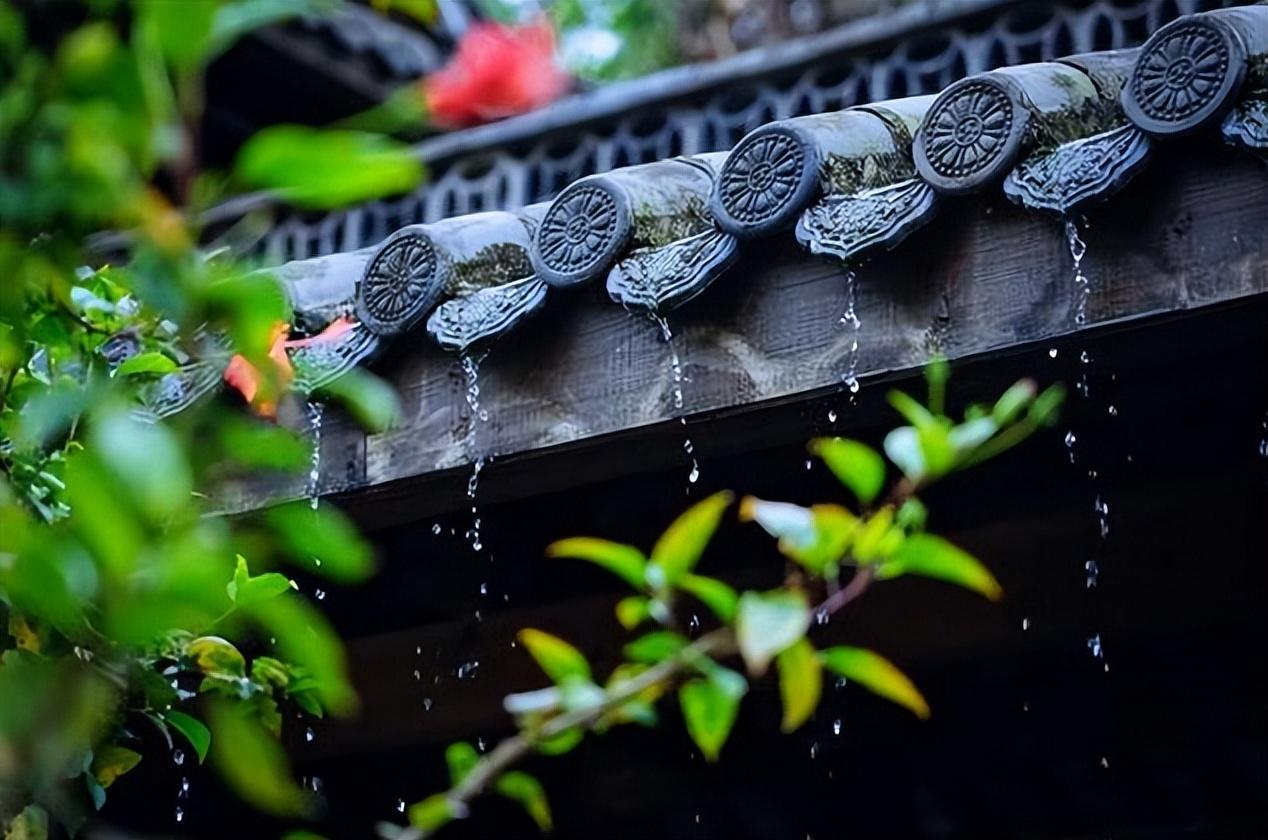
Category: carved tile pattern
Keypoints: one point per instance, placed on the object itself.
(1179, 74)
(1096, 167)
(578, 230)
(967, 132)
(398, 282)
(760, 177)
(318, 364)
(846, 225)
(659, 279)
(1247, 125)
(462, 322)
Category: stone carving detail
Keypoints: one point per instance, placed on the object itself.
(1247, 125)
(399, 285)
(582, 229)
(463, 322)
(1073, 173)
(762, 178)
(845, 225)
(658, 279)
(317, 363)
(178, 390)
(1185, 76)
(970, 135)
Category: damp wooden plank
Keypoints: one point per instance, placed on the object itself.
(586, 381)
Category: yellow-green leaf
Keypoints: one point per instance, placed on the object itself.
(857, 466)
(153, 363)
(216, 656)
(655, 647)
(632, 611)
(31, 823)
(624, 561)
(111, 761)
(432, 813)
(679, 548)
(800, 683)
(560, 660)
(767, 623)
(877, 674)
(720, 598)
(709, 708)
(245, 589)
(520, 787)
(933, 557)
(816, 537)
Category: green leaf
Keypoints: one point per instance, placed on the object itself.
(561, 661)
(182, 30)
(655, 647)
(306, 639)
(147, 460)
(461, 758)
(155, 363)
(971, 434)
(855, 465)
(915, 413)
(195, 732)
(111, 761)
(245, 590)
(936, 448)
(323, 540)
(216, 657)
(624, 561)
(264, 445)
(1013, 402)
(816, 537)
(520, 787)
(371, 401)
(253, 762)
(1046, 408)
(326, 169)
(877, 674)
(633, 611)
(878, 538)
(800, 683)
(933, 557)
(709, 708)
(31, 823)
(560, 744)
(679, 548)
(720, 598)
(432, 813)
(767, 623)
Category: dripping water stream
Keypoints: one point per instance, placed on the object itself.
(676, 372)
(479, 416)
(850, 320)
(316, 413)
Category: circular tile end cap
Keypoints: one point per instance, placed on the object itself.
(582, 234)
(973, 134)
(1186, 77)
(766, 182)
(399, 286)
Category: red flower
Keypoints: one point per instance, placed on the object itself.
(498, 71)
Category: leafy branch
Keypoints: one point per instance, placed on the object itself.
(884, 540)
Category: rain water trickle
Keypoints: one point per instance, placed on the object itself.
(467, 670)
(850, 320)
(183, 793)
(180, 813)
(676, 372)
(1094, 645)
(479, 416)
(1092, 572)
(1102, 516)
(1078, 248)
(315, 412)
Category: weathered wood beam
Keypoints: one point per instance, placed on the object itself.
(984, 277)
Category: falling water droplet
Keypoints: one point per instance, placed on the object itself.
(850, 320)
(1025, 624)
(435, 529)
(814, 750)
(832, 415)
(1082, 289)
(467, 670)
(1052, 352)
(400, 806)
(315, 412)
(319, 594)
(180, 813)
(1070, 440)
(309, 735)
(836, 726)
(1093, 572)
(808, 464)
(427, 704)
(1104, 762)
(183, 793)
(480, 744)
(1094, 645)
(178, 757)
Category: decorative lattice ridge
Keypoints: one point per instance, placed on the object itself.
(1051, 135)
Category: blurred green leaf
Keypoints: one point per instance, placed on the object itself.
(370, 400)
(323, 540)
(432, 813)
(326, 169)
(877, 674)
(902, 445)
(1013, 402)
(520, 787)
(654, 647)
(855, 465)
(193, 729)
(253, 443)
(182, 30)
(254, 763)
(238, 17)
(154, 363)
(216, 657)
(720, 598)
(147, 460)
(460, 758)
(1047, 406)
(31, 823)
(768, 622)
(933, 557)
(560, 744)
(624, 561)
(306, 639)
(800, 683)
(680, 546)
(558, 659)
(632, 611)
(817, 538)
(245, 589)
(878, 538)
(709, 707)
(110, 761)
